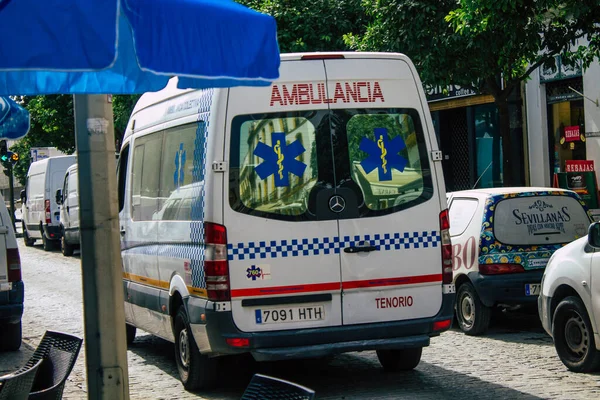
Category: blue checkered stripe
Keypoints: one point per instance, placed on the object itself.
(330, 245)
(196, 253)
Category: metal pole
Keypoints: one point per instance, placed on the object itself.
(103, 300)
(11, 185)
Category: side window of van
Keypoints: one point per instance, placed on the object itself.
(72, 184)
(389, 158)
(182, 168)
(461, 212)
(145, 179)
(276, 164)
(122, 174)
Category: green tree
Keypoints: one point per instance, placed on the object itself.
(313, 25)
(53, 125)
(472, 43)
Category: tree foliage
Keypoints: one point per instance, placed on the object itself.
(472, 43)
(53, 125)
(313, 25)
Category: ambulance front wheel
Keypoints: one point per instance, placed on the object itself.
(472, 315)
(196, 371)
(399, 360)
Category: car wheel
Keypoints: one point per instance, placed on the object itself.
(65, 247)
(196, 371)
(28, 241)
(399, 360)
(130, 331)
(574, 337)
(472, 315)
(47, 243)
(11, 340)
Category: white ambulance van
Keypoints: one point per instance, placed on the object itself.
(299, 220)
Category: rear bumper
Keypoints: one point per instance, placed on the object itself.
(505, 289)
(11, 304)
(52, 232)
(312, 342)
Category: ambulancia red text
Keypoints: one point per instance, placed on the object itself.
(315, 93)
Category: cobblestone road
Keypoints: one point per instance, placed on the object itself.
(516, 360)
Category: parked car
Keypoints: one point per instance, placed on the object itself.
(68, 200)
(11, 285)
(502, 239)
(40, 212)
(569, 303)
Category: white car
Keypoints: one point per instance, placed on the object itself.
(501, 241)
(569, 304)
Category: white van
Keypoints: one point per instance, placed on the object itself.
(41, 216)
(68, 200)
(299, 220)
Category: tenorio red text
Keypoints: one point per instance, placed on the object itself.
(394, 302)
(311, 93)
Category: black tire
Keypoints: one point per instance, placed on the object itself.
(11, 337)
(399, 360)
(130, 331)
(574, 337)
(472, 315)
(196, 371)
(65, 247)
(47, 243)
(28, 241)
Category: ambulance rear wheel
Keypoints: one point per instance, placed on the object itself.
(196, 370)
(399, 360)
(472, 315)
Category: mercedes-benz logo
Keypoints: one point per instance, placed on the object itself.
(337, 204)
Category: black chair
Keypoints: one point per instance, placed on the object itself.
(17, 385)
(57, 352)
(263, 387)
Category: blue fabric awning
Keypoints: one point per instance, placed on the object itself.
(132, 46)
(14, 119)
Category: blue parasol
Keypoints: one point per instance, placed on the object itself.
(14, 119)
(132, 46)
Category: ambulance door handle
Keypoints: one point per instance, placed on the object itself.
(358, 249)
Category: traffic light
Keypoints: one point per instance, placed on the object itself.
(14, 158)
(5, 158)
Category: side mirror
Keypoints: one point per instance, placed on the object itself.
(594, 235)
(23, 196)
(59, 197)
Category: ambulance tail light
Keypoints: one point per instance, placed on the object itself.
(216, 266)
(47, 208)
(13, 262)
(446, 247)
(499, 269)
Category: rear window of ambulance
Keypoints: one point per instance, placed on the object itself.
(539, 220)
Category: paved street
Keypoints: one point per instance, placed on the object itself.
(515, 360)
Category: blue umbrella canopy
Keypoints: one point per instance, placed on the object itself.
(14, 119)
(132, 46)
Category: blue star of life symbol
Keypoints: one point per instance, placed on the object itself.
(279, 160)
(383, 154)
(253, 272)
(179, 174)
